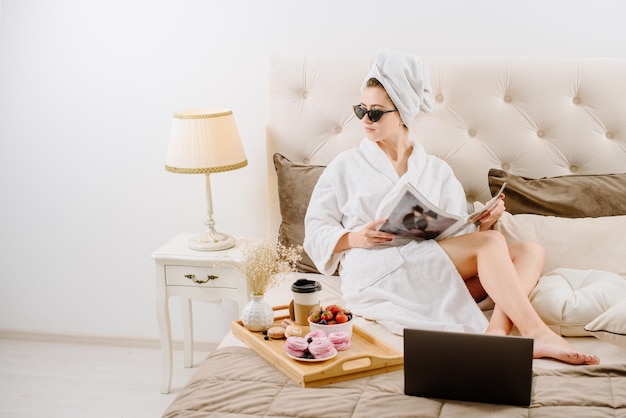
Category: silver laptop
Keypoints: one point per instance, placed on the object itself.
(468, 367)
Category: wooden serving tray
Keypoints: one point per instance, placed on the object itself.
(366, 356)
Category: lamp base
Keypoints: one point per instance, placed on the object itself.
(204, 242)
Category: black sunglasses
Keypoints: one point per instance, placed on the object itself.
(373, 114)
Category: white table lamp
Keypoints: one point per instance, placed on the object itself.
(205, 141)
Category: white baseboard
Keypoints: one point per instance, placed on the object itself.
(19, 335)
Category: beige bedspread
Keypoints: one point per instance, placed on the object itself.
(236, 382)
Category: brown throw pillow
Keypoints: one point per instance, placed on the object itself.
(575, 196)
(295, 186)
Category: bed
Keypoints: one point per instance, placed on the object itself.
(553, 128)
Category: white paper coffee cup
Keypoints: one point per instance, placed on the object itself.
(306, 299)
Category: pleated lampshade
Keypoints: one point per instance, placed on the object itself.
(204, 141)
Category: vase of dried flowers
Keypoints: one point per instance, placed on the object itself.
(257, 315)
(263, 265)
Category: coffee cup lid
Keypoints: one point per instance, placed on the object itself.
(306, 286)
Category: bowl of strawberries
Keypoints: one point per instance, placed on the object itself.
(331, 318)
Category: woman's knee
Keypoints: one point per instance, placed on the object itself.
(492, 238)
(529, 249)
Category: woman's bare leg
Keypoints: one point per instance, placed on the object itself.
(487, 254)
(528, 260)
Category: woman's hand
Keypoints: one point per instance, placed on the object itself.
(492, 216)
(366, 237)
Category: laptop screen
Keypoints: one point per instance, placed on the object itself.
(468, 367)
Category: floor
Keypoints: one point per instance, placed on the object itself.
(68, 379)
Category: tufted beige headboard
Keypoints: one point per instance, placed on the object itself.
(532, 116)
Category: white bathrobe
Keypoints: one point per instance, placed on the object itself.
(407, 284)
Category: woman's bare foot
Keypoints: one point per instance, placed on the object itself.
(550, 345)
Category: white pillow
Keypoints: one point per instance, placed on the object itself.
(579, 243)
(568, 299)
(611, 325)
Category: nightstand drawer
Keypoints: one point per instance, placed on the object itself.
(203, 276)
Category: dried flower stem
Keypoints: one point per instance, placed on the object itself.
(264, 263)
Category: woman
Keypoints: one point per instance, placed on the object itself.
(427, 284)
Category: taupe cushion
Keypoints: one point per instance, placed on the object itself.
(295, 186)
(575, 196)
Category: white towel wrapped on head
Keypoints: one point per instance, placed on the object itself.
(405, 78)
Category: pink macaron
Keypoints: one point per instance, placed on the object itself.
(322, 348)
(296, 346)
(340, 340)
(315, 334)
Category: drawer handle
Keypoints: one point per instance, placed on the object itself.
(192, 277)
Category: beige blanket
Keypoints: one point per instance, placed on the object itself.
(236, 382)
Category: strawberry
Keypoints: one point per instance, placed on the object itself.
(327, 315)
(335, 309)
(341, 317)
(315, 317)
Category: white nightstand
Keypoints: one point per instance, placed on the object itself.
(207, 276)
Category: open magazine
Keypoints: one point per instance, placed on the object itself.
(411, 215)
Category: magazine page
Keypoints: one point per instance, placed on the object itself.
(473, 217)
(411, 215)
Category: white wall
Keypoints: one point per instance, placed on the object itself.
(87, 90)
